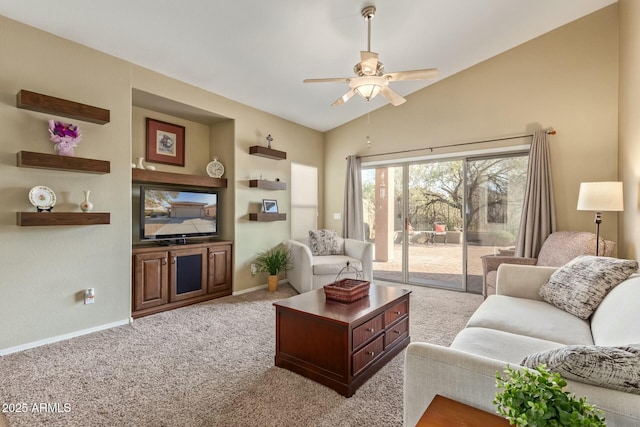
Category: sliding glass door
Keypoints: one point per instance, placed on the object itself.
(495, 191)
(431, 222)
(435, 202)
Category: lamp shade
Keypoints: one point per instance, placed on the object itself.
(600, 196)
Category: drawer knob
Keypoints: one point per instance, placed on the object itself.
(397, 312)
(371, 353)
(370, 329)
(396, 332)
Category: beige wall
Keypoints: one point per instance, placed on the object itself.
(43, 270)
(629, 127)
(565, 79)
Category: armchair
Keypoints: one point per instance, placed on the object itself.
(314, 271)
(559, 248)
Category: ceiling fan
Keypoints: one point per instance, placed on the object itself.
(371, 79)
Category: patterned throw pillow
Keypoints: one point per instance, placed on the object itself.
(617, 368)
(324, 242)
(579, 286)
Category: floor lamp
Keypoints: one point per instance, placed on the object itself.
(600, 197)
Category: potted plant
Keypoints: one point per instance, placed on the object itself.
(535, 398)
(273, 261)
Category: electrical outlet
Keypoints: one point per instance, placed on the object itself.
(254, 269)
(89, 295)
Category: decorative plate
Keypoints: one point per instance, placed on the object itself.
(215, 168)
(42, 197)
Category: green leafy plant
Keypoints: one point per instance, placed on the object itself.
(274, 260)
(536, 398)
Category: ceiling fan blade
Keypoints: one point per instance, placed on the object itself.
(392, 96)
(330, 80)
(344, 98)
(368, 62)
(429, 73)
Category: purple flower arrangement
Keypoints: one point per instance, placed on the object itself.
(65, 136)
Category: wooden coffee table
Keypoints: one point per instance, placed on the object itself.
(341, 345)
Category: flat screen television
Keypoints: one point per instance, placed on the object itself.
(170, 214)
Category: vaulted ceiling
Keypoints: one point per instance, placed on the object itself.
(258, 52)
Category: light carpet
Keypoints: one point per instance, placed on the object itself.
(210, 364)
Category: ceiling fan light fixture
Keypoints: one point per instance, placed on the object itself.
(368, 91)
(371, 79)
(368, 87)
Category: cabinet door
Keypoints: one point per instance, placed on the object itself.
(150, 280)
(220, 270)
(188, 273)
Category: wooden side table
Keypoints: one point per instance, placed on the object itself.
(444, 412)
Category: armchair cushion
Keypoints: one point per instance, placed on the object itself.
(580, 285)
(617, 368)
(325, 242)
(332, 264)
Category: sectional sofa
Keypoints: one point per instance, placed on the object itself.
(511, 326)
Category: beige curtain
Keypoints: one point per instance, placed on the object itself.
(538, 209)
(353, 222)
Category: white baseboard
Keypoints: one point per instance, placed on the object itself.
(245, 291)
(22, 347)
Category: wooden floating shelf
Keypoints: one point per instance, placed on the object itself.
(63, 218)
(269, 153)
(267, 217)
(28, 159)
(156, 177)
(48, 104)
(267, 185)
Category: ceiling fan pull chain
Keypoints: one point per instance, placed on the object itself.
(368, 121)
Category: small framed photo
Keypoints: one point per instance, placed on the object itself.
(270, 206)
(165, 143)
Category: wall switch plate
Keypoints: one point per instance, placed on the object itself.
(337, 215)
(89, 295)
(254, 269)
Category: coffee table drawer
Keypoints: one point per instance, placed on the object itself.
(396, 332)
(396, 312)
(362, 333)
(368, 354)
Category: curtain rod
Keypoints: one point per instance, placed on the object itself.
(549, 132)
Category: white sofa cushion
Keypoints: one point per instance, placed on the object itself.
(537, 319)
(579, 286)
(616, 320)
(500, 345)
(617, 368)
(332, 264)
